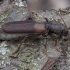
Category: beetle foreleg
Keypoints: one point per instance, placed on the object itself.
(56, 42)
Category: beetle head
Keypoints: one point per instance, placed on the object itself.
(65, 32)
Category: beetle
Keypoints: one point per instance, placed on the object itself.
(30, 28)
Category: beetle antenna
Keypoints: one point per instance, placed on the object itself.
(60, 16)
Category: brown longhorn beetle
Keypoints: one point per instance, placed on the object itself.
(31, 28)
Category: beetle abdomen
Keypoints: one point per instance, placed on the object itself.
(20, 27)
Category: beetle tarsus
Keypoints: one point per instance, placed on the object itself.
(45, 48)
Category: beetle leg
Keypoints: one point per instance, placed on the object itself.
(18, 48)
(45, 48)
(56, 42)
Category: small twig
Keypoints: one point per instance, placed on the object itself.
(50, 64)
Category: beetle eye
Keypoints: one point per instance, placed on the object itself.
(65, 32)
(1, 1)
